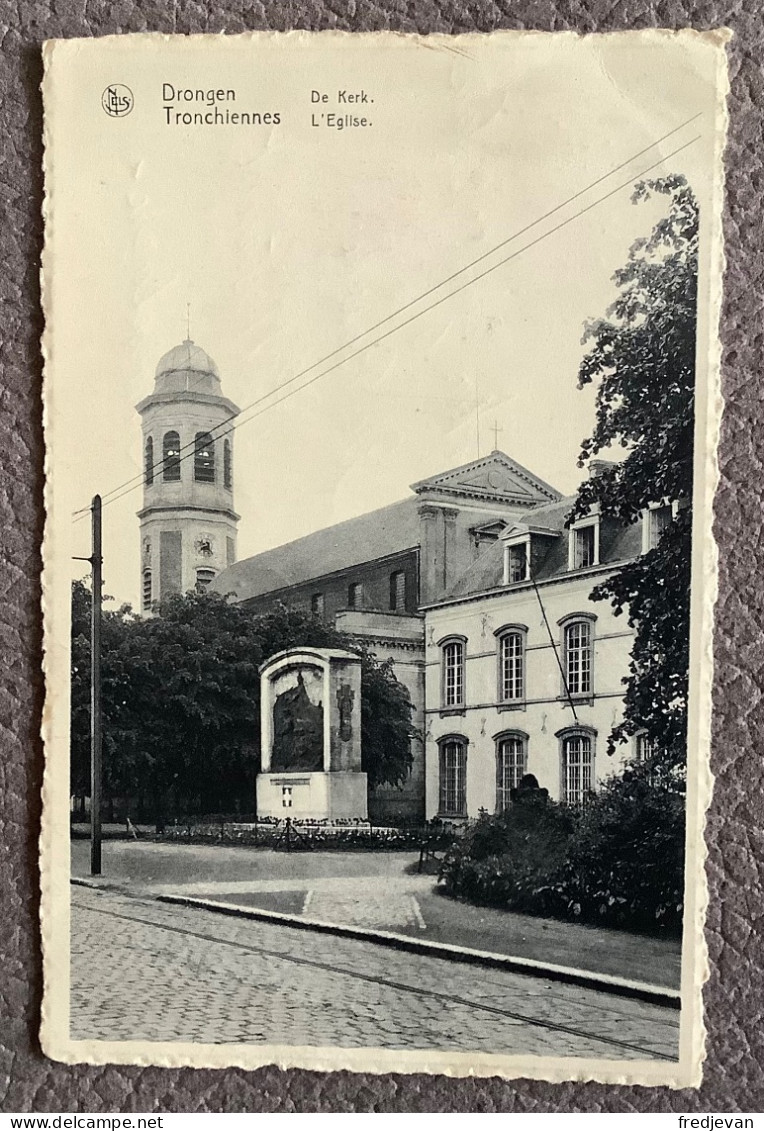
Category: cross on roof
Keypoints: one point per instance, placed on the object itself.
(496, 431)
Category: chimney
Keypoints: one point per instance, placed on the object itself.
(598, 466)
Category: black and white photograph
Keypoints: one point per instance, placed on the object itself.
(381, 405)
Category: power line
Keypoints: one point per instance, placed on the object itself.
(131, 484)
(464, 286)
(401, 309)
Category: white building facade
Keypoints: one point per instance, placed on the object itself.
(524, 672)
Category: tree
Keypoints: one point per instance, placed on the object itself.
(642, 358)
(181, 700)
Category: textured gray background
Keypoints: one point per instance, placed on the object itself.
(734, 997)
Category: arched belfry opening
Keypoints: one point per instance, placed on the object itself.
(188, 525)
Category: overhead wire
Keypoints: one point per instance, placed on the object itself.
(131, 484)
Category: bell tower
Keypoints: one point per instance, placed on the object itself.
(188, 524)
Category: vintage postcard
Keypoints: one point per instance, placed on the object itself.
(381, 405)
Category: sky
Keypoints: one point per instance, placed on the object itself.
(290, 240)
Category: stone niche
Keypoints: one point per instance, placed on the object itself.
(310, 732)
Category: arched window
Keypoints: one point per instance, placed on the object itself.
(149, 461)
(452, 669)
(453, 776)
(146, 590)
(398, 591)
(171, 457)
(204, 577)
(577, 758)
(511, 761)
(578, 653)
(511, 654)
(227, 465)
(204, 458)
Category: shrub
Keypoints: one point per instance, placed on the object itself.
(502, 859)
(618, 862)
(625, 864)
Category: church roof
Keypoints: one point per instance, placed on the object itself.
(483, 487)
(377, 534)
(187, 368)
(618, 543)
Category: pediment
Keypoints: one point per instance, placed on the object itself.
(495, 477)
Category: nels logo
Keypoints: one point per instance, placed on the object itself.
(117, 100)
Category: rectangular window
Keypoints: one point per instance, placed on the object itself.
(578, 657)
(398, 591)
(645, 748)
(510, 768)
(645, 751)
(453, 674)
(317, 604)
(453, 779)
(355, 595)
(576, 769)
(584, 547)
(511, 663)
(659, 518)
(517, 563)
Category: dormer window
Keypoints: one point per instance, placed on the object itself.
(516, 562)
(584, 543)
(655, 520)
(525, 550)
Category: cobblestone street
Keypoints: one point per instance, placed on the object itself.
(142, 970)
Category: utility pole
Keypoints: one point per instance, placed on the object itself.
(96, 723)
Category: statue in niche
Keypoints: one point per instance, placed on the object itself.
(345, 697)
(298, 731)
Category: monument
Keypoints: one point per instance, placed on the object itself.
(310, 711)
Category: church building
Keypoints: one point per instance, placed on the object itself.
(373, 575)
(476, 585)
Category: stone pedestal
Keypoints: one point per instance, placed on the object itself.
(310, 705)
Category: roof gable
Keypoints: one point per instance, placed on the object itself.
(495, 477)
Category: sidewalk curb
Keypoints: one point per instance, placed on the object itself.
(603, 983)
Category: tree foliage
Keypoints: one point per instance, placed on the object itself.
(642, 360)
(181, 700)
(617, 862)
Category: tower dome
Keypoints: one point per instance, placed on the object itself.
(187, 368)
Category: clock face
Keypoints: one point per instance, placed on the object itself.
(205, 546)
